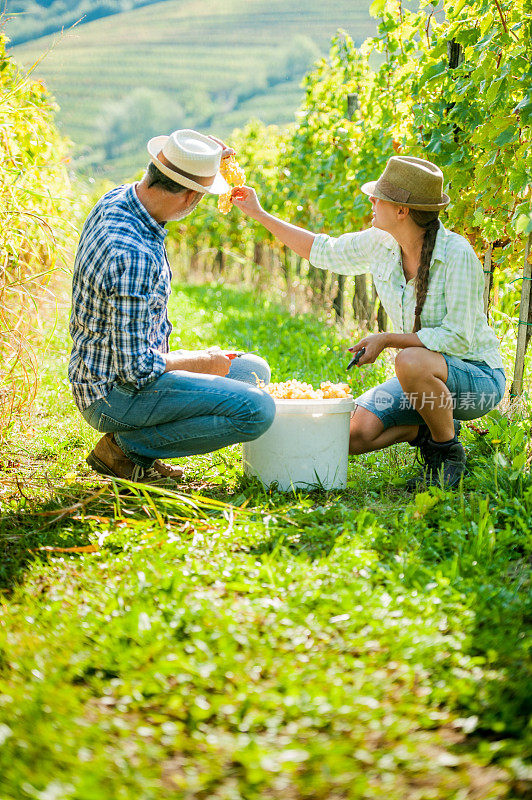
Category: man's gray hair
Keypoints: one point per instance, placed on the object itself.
(157, 178)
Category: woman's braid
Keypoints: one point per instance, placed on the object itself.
(430, 222)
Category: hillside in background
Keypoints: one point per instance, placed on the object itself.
(209, 64)
(29, 19)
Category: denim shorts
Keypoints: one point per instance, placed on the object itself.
(475, 389)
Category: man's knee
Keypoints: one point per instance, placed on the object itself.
(250, 368)
(262, 416)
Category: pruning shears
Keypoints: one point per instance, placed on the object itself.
(231, 354)
(358, 355)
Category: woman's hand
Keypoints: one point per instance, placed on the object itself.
(245, 198)
(226, 151)
(374, 345)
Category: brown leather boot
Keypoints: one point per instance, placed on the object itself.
(108, 459)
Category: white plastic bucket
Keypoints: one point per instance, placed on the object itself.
(306, 446)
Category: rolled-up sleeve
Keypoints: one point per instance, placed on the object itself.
(132, 318)
(349, 254)
(463, 295)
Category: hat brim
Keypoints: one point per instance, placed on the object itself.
(218, 186)
(371, 190)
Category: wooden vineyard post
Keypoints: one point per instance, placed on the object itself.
(379, 314)
(258, 255)
(524, 314)
(455, 53)
(286, 265)
(194, 262)
(219, 262)
(352, 104)
(488, 277)
(360, 303)
(382, 318)
(338, 301)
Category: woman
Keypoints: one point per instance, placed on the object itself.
(430, 283)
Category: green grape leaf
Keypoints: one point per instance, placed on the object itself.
(377, 7)
(523, 223)
(506, 136)
(434, 71)
(524, 109)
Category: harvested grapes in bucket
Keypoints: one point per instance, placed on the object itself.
(298, 390)
(235, 176)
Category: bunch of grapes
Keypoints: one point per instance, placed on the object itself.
(334, 390)
(298, 390)
(235, 176)
(225, 203)
(232, 171)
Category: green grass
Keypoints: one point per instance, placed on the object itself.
(197, 48)
(321, 645)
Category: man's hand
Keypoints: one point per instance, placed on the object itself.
(374, 345)
(226, 151)
(208, 362)
(213, 363)
(245, 198)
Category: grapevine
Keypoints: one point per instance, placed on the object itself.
(472, 117)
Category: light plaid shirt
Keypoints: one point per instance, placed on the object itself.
(453, 319)
(120, 289)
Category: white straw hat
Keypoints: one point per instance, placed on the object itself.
(190, 155)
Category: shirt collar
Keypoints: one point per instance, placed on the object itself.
(438, 253)
(134, 204)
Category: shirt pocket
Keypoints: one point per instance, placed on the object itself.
(434, 308)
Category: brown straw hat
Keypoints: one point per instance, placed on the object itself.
(411, 182)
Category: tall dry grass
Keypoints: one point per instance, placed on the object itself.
(37, 213)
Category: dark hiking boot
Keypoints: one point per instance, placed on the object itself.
(423, 436)
(108, 459)
(444, 466)
(424, 454)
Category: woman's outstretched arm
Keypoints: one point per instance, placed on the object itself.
(297, 239)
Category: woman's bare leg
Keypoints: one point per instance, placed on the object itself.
(422, 374)
(367, 432)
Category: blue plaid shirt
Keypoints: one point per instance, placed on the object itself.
(120, 289)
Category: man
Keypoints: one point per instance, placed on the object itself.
(149, 402)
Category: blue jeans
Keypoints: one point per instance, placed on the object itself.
(475, 389)
(185, 413)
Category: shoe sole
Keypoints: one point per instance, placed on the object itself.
(102, 469)
(414, 485)
(99, 466)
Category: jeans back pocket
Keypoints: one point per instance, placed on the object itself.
(107, 424)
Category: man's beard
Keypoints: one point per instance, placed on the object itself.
(188, 210)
